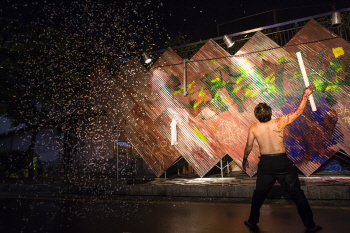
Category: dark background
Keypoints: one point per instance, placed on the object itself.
(198, 19)
(195, 19)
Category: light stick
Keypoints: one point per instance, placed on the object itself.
(306, 81)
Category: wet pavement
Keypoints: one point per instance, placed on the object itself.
(89, 214)
(183, 203)
(319, 186)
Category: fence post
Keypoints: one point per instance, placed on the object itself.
(185, 76)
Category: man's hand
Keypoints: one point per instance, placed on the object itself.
(244, 164)
(308, 91)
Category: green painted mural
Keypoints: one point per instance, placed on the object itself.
(223, 89)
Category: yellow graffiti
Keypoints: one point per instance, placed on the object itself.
(179, 91)
(271, 78)
(347, 120)
(251, 93)
(159, 152)
(343, 111)
(338, 52)
(163, 144)
(345, 114)
(190, 87)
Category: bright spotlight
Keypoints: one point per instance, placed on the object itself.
(228, 41)
(146, 57)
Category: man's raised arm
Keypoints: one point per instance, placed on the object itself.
(289, 118)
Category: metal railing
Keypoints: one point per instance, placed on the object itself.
(281, 33)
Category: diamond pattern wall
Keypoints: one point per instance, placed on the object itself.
(223, 90)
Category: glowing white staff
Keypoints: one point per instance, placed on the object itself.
(173, 132)
(306, 81)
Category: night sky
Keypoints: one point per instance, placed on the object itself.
(198, 19)
(195, 19)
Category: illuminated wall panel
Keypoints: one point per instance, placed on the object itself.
(314, 138)
(223, 90)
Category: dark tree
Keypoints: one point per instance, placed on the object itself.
(44, 77)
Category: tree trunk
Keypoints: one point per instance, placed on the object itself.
(70, 143)
(30, 153)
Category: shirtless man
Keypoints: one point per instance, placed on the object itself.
(274, 163)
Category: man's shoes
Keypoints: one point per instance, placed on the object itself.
(253, 226)
(314, 229)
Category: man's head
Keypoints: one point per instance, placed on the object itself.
(263, 112)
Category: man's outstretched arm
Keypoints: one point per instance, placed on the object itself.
(289, 118)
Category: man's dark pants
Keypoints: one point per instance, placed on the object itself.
(279, 167)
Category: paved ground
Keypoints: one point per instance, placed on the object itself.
(327, 185)
(90, 214)
(180, 203)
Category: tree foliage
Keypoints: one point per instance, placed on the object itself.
(44, 75)
(48, 52)
(185, 52)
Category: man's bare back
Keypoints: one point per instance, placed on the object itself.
(270, 134)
